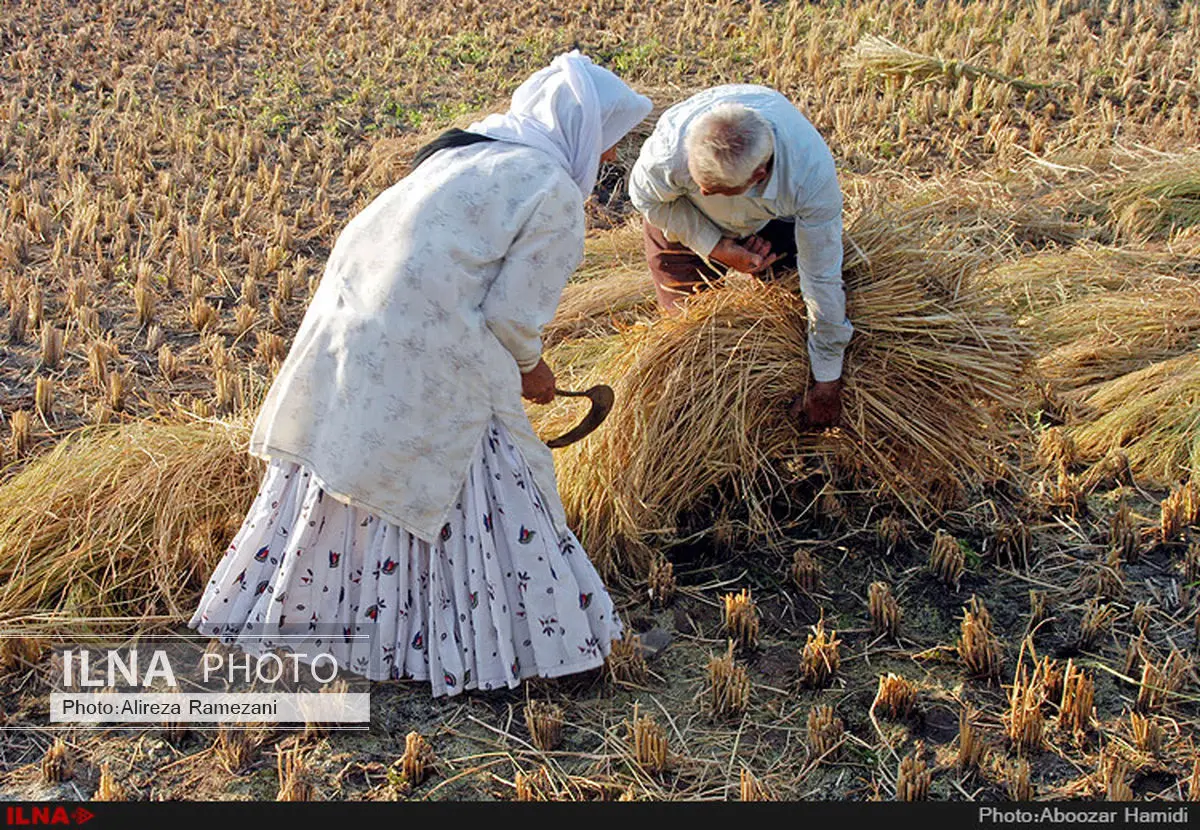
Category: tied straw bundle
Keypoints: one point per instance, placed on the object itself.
(879, 56)
(701, 424)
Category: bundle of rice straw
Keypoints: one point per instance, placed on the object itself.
(123, 521)
(1157, 199)
(1040, 283)
(879, 56)
(701, 422)
(1151, 415)
(1105, 335)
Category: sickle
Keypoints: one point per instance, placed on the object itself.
(601, 397)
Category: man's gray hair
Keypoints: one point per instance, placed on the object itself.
(726, 144)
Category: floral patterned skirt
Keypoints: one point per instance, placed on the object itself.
(498, 597)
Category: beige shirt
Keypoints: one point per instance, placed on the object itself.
(431, 303)
(802, 187)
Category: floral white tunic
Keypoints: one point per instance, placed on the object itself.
(430, 306)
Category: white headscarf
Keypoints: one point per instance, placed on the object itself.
(573, 110)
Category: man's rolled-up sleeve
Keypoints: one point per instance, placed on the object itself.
(527, 289)
(819, 261)
(665, 206)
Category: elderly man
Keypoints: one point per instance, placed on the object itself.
(736, 177)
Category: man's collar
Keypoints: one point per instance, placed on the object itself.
(770, 188)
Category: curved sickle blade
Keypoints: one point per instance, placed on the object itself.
(602, 398)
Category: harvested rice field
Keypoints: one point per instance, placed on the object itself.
(983, 585)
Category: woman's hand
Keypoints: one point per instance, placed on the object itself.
(537, 384)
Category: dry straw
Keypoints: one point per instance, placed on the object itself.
(1056, 449)
(820, 659)
(173, 731)
(1151, 415)
(825, 730)
(58, 764)
(729, 686)
(627, 661)
(412, 767)
(544, 720)
(1158, 198)
(1140, 616)
(1017, 782)
(972, 747)
(1078, 698)
(1103, 335)
(1024, 722)
(109, 789)
(134, 529)
(203, 316)
(98, 356)
(20, 437)
(319, 729)
(741, 619)
(602, 304)
(52, 346)
(1011, 544)
(978, 646)
(892, 531)
(879, 56)
(1106, 578)
(660, 582)
(896, 696)
(1161, 681)
(752, 789)
(295, 776)
(244, 318)
(1191, 564)
(20, 653)
(44, 398)
(1180, 509)
(535, 786)
(806, 569)
(648, 741)
(701, 420)
(1115, 774)
(913, 778)
(1148, 733)
(947, 559)
(1122, 534)
(885, 611)
(1037, 608)
(1097, 618)
(235, 748)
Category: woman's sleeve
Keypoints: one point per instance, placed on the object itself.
(525, 293)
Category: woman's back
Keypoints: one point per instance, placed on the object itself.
(470, 250)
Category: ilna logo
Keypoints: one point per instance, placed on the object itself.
(21, 816)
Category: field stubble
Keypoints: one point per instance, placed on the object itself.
(169, 193)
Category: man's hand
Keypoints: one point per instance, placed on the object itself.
(823, 406)
(537, 384)
(752, 257)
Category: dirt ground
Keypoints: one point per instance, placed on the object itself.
(481, 742)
